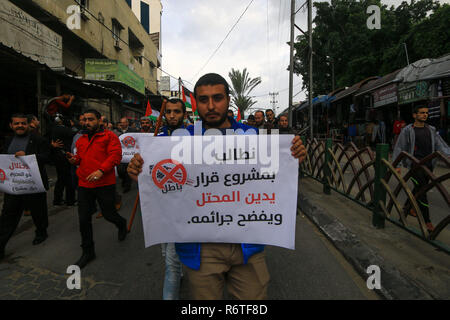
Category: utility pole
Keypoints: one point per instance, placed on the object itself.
(291, 62)
(273, 102)
(311, 114)
(406, 51)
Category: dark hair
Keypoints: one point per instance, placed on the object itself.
(106, 121)
(416, 108)
(211, 79)
(19, 115)
(269, 110)
(251, 117)
(260, 111)
(230, 111)
(175, 101)
(95, 112)
(284, 115)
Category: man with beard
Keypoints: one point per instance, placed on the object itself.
(175, 114)
(283, 125)
(146, 125)
(98, 152)
(210, 265)
(271, 121)
(259, 119)
(25, 143)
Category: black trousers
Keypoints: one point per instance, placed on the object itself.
(123, 174)
(64, 182)
(420, 179)
(86, 203)
(13, 206)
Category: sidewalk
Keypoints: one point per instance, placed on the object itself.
(410, 267)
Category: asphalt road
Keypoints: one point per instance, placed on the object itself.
(127, 270)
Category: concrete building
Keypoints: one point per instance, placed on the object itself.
(100, 53)
(149, 14)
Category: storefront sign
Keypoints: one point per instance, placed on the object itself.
(414, 91)
(113, 70)
(26, 35)
(385, 95)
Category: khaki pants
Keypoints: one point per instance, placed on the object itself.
(223, 263)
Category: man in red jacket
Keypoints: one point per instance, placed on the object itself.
(98, 152)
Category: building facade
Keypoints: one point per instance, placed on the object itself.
(47, 48)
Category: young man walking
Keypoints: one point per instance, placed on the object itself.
(420, 140)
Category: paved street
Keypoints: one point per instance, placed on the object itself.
(127, 270)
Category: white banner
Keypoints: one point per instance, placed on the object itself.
(20, 175)
(227, 189)
(130, 146)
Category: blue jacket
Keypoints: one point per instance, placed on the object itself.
(189, 253)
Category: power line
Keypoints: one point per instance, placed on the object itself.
(229, 32)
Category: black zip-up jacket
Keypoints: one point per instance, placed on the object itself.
(37, 146)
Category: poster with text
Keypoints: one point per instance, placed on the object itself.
(20, 175)
(229, 189)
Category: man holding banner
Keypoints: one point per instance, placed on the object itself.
(210, 265)
(21, 144)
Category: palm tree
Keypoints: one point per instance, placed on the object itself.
(241, 86)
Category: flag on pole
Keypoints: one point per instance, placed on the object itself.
(188, 99)
(148, 111)
(238, 119)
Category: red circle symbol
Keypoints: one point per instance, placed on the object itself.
(166, 170)
(129, 142)
(2, 175)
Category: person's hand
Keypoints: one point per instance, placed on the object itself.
(135, 166)
(298, 149)
(57, 144)
(19, 154)
(95, 176)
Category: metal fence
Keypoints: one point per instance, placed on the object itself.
(371, 180)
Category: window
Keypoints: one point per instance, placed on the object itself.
(145, 16)
(84, 6)
(129, 3)
(116, 28)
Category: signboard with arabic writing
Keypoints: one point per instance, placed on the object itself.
(229, 189)
(20, 175)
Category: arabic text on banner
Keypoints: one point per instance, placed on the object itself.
(20, 175)
(240, 198)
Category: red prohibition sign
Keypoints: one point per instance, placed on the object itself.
(129, 141)
(169, 174)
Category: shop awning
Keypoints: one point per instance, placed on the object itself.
(425, 69)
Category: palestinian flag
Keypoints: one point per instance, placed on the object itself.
(189, 100)
(149, 110)
(151, 114)
(238, 118)
(154, 116)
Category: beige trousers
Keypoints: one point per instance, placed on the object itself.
(223, 263)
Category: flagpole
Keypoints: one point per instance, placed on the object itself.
(179, 87)
(158, 125)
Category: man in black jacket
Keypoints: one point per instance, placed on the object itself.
(62, 137)
(25, 143)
